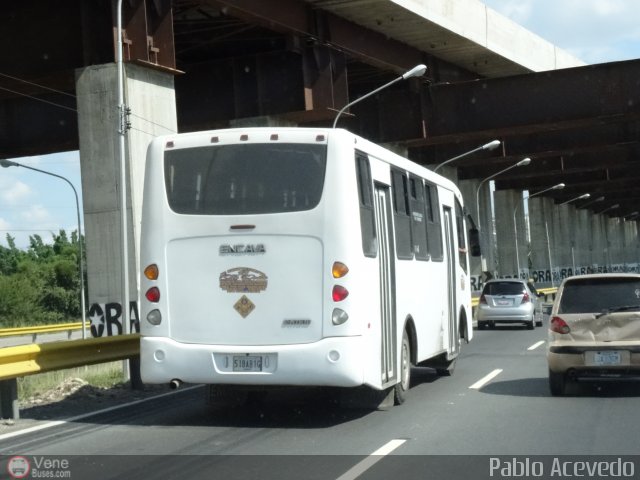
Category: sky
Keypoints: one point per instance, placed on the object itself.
(595, 31)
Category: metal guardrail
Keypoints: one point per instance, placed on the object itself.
(35, 358)
(40, 329)
(39, 358)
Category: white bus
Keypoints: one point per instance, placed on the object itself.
(298, 257)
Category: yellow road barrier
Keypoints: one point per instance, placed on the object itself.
(30, 359)
(39, 329)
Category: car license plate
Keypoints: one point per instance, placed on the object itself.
(607, 357)
(247, 363)
(504, 303)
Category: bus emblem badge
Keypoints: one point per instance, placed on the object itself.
(243, 279)
(244, 306)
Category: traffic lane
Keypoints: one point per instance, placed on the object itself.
(514, 413)
(442, 415)
(293, 422)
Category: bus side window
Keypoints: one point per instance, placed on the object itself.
(462, 244)
(418, 230)
(434, 230)
(401, 217)
(365, 193)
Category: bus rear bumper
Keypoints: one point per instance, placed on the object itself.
(335, 361)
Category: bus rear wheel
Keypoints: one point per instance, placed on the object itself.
(402, 387)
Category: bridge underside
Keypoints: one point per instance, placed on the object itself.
(236, 59)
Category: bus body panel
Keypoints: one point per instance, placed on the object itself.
(202, 325)
(310, 364)
(245, 289)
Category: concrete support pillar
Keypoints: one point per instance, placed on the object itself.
(485, 221)
(150, 96)
(468, 190)
(582, 242)
(617, 244)
(505, 202)
(600, 250)
(542, 252)
(563, 239)
(629, 246)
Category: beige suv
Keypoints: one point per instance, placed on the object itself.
(594, 330)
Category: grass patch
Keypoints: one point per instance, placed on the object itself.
(104, 375)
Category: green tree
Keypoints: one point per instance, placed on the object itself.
(41, 284)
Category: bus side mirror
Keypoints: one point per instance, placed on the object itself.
(474, 242)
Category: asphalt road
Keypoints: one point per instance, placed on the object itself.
(497, 403)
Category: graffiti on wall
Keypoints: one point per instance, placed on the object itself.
(558, 274)
(106, 319)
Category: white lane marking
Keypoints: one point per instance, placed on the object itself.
(361, 467)
(87, 415)
(536, 345)
(486, 379)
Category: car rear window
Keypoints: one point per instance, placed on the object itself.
(598, 294)
(503, 288)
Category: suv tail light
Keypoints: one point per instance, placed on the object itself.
(558, 325)
(526, 298)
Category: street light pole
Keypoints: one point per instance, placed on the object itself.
(559, 186)
(584, 196)
(523, 162)
(487, 146)
(416, 71)
(8, 163)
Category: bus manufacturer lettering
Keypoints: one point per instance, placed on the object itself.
(241, 249)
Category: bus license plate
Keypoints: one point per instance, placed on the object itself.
(247, 363)
(607, 357)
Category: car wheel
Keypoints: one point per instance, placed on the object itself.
(401, 388)
(556, 383)
(532, 324)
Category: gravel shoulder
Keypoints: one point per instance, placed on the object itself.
(74, 397)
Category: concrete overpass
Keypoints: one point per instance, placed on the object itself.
(197, 64)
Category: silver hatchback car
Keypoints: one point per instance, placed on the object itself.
(508, 300)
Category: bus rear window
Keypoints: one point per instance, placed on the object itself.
(244, 179)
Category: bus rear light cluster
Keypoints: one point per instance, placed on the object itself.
(151, 272)
(558, 325)
(339, 293)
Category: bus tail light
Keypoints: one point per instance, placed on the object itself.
(339, 293)
(151, 272)
(558, 325)
(339, 316)
(154, 317)
(339, 269)
(153, 294)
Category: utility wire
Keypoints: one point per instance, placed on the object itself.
(74, 97)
